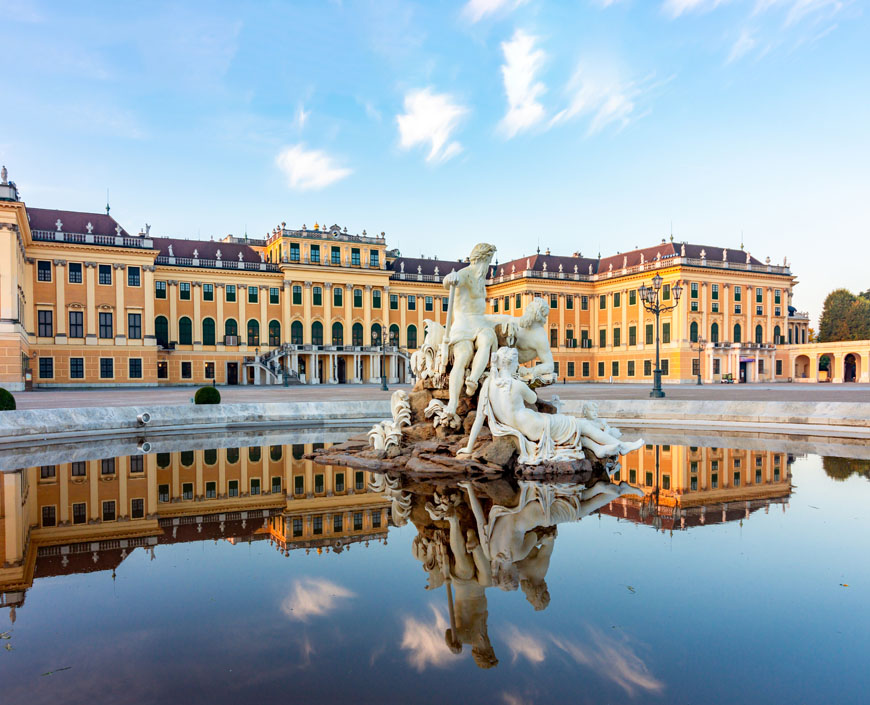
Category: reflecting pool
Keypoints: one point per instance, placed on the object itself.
(246, 573)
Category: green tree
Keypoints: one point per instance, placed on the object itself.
(858, 319)
(833, 324)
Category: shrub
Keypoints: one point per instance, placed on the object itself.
(207, 395)
(7, 401)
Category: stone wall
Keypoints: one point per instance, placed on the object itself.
(46, 426)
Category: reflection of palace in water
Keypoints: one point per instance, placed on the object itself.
(88, 516)
(686, 486)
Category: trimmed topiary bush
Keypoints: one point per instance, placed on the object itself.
(7, 401)
(207, 395)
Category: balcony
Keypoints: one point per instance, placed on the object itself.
(140, 243)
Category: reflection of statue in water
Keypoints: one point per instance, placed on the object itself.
(500, 535)
(509, 534)
(502, 402)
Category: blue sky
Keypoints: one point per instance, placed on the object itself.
(587, 125)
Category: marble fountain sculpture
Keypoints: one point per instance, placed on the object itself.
(474, 408)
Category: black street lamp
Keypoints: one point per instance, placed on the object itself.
(702, 344)
(384, 387)
(649, 296)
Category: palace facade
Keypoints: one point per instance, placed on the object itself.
(84, 302)
(88, 515)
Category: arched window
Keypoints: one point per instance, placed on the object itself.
(317, 333)
(253, 332)
(791, 335)
(254, 454)
(714, 333)
(693, 332)
(357, 334)
(232, 455)
(208, 331)
(298, 451)
(759, 333)
(274, 334)
(296, 333)
(376, 334)
(231, 328)
(187, 458)
(394, 335)
(337, 333)
(164, 460)
(737, 332)
(803, 335)
(185, 331)
(161, 331)
(777, 335)
(209, 456)
(412, 337)
(275, 452)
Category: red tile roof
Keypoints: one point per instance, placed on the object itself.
(206, 249)
(73, 221)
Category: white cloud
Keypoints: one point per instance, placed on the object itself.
(309, 169)
(302, 116)
(797, 10)
(745, 43)
(476, 10)
(614, 660)
(600, 94)
(430, 118)
(522, 63)
(425, 642)
(675, 8)
(525, 645)
(313, 597)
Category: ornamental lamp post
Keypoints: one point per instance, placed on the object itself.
(701, 345)
(384, 387)
(649, 296)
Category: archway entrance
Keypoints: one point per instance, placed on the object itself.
(341, 371)
(850, 368)
(802, 367)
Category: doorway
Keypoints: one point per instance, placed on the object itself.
(232, 373)
(341, 371)
(850, 368)
(743, 372)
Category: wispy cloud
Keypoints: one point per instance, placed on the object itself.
(301, 118)
(797, 10)
(431, 118)
(522, 62)
(601, 95)
(614, 660)
(476, 10)
(313, 597)
(675, 8)
(524, 645)
(745, 43)
(424, 641)
(309, 169)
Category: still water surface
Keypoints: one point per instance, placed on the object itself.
(251, 575)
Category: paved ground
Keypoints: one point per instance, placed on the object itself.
(49, 399)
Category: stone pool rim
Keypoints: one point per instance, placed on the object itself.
(49, 426)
